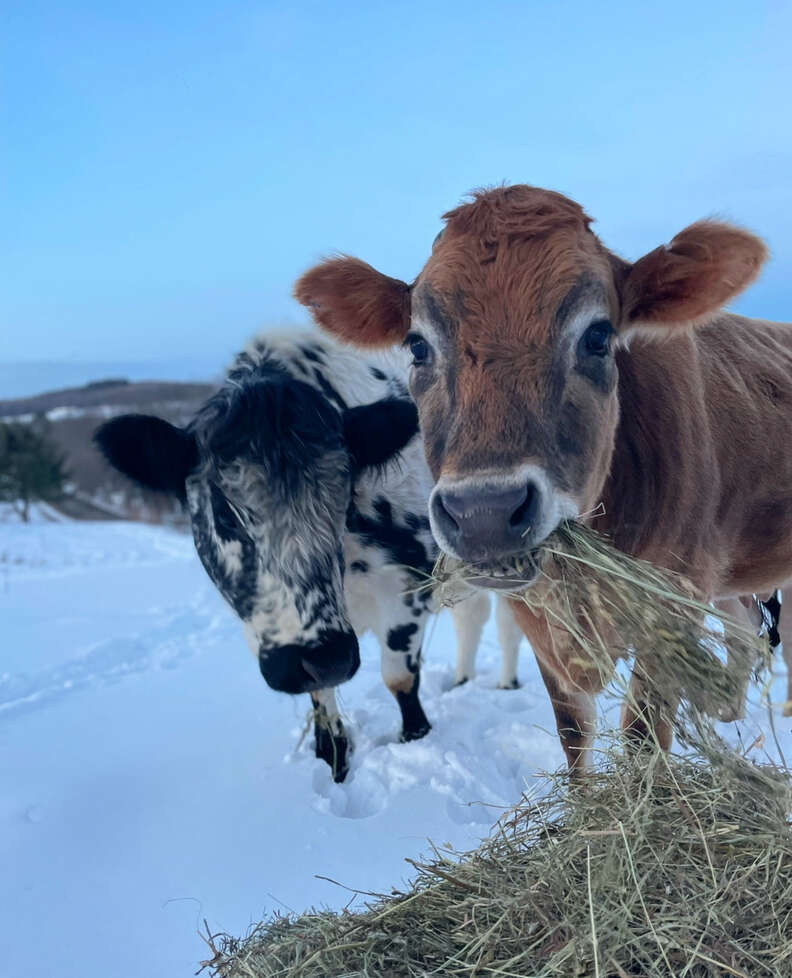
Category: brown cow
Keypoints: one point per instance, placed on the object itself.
(552, 376)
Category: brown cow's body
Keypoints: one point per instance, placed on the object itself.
(552, 376)
(701, 477)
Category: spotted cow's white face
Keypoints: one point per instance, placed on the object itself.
(276, 554)
(267, 468)
(268, 505)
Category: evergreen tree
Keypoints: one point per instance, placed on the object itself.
(31, 467)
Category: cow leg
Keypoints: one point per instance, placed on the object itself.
(401, 672)
(785, 634)
(469, 616)
(786, 652)
(648, 714)
(572, 686)
(576, 721)
(779, 635)
(745, 611)
(509, 636)
(332, 742)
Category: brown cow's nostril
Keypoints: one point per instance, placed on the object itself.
(445, 511)
(525, 513)
(457, 506)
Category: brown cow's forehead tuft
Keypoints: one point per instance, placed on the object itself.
(508, 270)
(519, 209)
(526, 294)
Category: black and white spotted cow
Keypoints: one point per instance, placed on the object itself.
(307, 489)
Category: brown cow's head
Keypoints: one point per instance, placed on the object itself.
(513, 325)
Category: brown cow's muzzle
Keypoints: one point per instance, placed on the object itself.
(485, 521)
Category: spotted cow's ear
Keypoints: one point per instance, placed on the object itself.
(152, 452)
(355, 302)
(375, 433)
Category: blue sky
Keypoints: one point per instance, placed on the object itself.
(168, 169)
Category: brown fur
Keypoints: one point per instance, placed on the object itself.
(356, 302)
(402, 685)
(676, 436)
(704, 266)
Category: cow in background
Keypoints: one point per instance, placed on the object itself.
(307, 490)
(763, 615)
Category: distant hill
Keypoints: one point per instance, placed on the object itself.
(71, 416)
(27, 378)
(115, 394)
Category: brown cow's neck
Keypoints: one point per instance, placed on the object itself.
(653, 500)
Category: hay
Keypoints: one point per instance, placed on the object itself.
(660, 865)
(609, 605)
(664, 866)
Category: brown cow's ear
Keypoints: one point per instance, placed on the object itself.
(686, 282)
(355, 302)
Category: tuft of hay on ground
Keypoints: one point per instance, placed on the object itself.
(662, 866)
(608, 605)
(656, 866)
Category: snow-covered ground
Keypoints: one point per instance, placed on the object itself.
(149, 779)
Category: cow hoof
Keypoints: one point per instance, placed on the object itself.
(417, 734)
(333, 750)
(512, 684)
(460, 682)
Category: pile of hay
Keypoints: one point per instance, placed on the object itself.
(609, 605)
(659, 865)
(669, 866)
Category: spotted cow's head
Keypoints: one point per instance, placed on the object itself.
(267, 469)
(514, 324)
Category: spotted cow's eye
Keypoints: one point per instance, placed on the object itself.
(595, 342)
(419, 348)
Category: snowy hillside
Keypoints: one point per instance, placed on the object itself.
(68, 418)
(150, 779)
(33, 377)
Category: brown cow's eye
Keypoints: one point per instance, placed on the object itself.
(595, 342)
(419, 348)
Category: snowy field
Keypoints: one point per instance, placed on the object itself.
(149, 779)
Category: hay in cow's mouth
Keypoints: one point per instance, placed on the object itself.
(508, 576)
(612, 605)
(664, 866)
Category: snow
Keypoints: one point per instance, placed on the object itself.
(149, 779)
(38, 513)
(67, 413)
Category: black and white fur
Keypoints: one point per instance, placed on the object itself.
(307, 490)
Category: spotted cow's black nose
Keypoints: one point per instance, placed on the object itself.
(331, 660)
(487, 521)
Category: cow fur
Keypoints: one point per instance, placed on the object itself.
(615, 389)
(306, 486)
